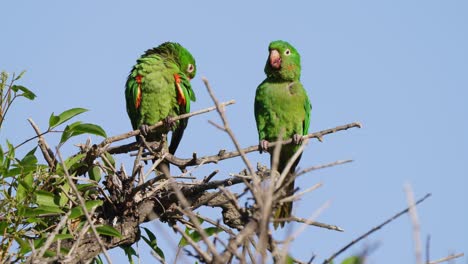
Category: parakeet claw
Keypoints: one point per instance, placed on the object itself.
(144, 129)
(169, 123)
(263, 145)
(297, 139)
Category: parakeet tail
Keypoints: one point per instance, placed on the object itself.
(285, 209)
(163, 167)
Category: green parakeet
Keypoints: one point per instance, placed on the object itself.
(158, 88)
(282, 106)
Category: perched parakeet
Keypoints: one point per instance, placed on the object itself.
(282, 106)
(158, 88)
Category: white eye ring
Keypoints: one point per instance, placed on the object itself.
(190, 68)
(287, 52)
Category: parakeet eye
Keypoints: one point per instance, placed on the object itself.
(287, 52)
(190, 68)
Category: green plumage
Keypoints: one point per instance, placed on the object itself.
(282, 106)
(152, 93)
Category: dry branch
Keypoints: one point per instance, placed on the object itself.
(46, 151)
(133, 133)
(83, 207)
(222, 154)
(448, 258)
(415, 223)
(343, 249)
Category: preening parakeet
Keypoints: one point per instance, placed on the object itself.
(282, 106)
(158, 88)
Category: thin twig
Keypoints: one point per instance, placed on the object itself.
(315, 223)
(312, 218)
(193, 218)
(195, 246)
(46, 152)
(133, 133)
(449, 257)
(220, 109)
(83, 207)
(428, 249)
(227, 155)
(296, 196)
(319, 167)
(343, 249)
(415, 223)
(209, 177)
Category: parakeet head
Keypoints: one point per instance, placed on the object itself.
(284, 62)
(180, 55)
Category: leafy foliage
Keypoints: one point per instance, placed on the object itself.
(151, 241)
(44, 207)
(9, 92)
(196, 236)
(35, 197)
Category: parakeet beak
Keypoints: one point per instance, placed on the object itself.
(275, 59)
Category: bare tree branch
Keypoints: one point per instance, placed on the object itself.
(415, 223)
(46, 152)
(83, 207)
(133, 133)
(448, 258)
(343, 249)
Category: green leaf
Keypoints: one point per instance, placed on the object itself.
(1, 156)
(78, 128)
(213, 230)
(353, 260)
(46, 210)
(24, 246)
(7, 158)
(86, 186)
(3, 79)
(196, 236)
(70, 162)
(77, 211)
(29, 160)
(90, 129)
(24, 187)
(95, 173)
(20, 75)
(3, 226)
(68, 131)
(45, 198)
(63, 198)
(15, 88)
(26, 92)
(108, 231)
(110, 159)
(55, 121)
(152, 244)
(38, 211)
(150, 235)
(97, 260)
(289, 259)
(129, 252)
(63, 236)
(39, 242)
(160, 252)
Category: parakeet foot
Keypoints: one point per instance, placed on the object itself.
(169, 123)
(263, 145)
(297, 139)
(144, 129)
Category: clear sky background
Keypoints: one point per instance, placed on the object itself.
(400, 67)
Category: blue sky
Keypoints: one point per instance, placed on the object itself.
(399, 67)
